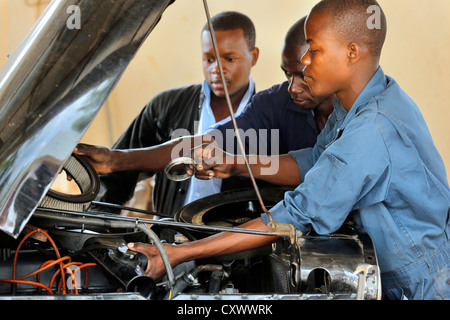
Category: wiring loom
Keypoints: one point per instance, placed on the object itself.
(65, 266)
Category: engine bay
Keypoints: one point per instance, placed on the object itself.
(68, 254)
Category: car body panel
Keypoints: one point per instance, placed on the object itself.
(52, 87)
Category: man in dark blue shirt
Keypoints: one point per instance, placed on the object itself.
(273, 110)
(290, 108)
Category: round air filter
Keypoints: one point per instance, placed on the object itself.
(87, 180)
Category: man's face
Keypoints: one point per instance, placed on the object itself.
(326, 61)
(236, 58)
(293, 69)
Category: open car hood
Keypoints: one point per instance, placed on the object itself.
(52, 87)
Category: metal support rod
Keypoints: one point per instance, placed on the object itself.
(121, 207)
(230, 107)
(47, 213)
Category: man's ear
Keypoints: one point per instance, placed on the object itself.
(354, 53)
(255, 55)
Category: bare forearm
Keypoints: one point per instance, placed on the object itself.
(223, 243)
(143, 159)
(216, 245)
(156, 158)
(281, 170)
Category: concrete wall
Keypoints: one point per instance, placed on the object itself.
(416, 54)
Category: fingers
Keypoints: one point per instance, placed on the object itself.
(204, 171)
(203, 153)
(99, 157)
(190, 169)
(144, 249)
(207, 156)
(155, 266)
(89, 150)
(205, 175)
(82, 149)
(205, 160)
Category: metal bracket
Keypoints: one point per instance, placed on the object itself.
(284, 230)
(362, 270)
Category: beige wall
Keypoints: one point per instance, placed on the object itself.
(416, 54)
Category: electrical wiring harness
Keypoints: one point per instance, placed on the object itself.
(65, 267)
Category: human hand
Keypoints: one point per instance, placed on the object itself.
(211, 162)
(155, 266)
(100, 157)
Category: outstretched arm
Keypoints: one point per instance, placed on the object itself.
(155, 158)
(219, 244)
(280, 170)
(214, 162)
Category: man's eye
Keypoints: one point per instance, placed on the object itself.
(312, 51)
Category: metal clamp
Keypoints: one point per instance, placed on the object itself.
(284, 230)
(362, 271)
(177, 162)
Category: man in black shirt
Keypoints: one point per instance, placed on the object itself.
(182, 108)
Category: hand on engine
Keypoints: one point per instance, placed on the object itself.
(155, 266)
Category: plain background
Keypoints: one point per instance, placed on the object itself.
(416, 54)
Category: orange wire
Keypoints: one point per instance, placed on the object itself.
(54, 247)
(80, 266)
(43, 267)
(28, 282)
(54, 278)
(84, 266)
(72, 275)
(74, 280)
(48, 264)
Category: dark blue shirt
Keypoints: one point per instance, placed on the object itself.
(269, 119)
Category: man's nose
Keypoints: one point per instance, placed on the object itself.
(305, 59)
(295, 85)
(215, 68)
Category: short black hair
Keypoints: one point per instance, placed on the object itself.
(296, 33)
(232, 20)
(350, 19)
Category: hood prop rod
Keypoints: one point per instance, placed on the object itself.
(281, 229)
(230, 108)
